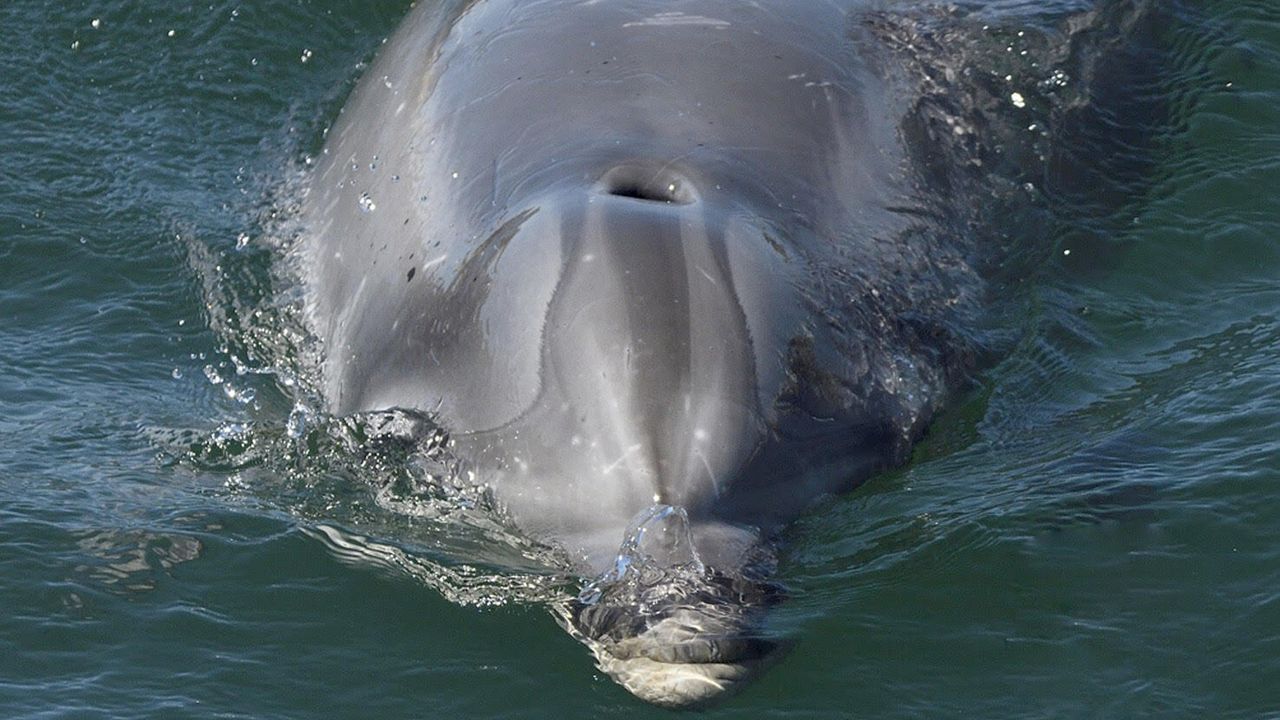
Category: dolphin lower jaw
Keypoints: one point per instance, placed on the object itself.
(671, 628)
(686, 659)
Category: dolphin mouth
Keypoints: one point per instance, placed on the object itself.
(680, 662)
(671, 630)
(690, 657)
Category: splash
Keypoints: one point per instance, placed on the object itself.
(386, 482)
(656, 555)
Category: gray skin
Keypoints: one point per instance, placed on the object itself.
(635, 253)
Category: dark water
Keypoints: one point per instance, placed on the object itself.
(1092, 532)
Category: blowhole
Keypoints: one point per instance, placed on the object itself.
(647, 185)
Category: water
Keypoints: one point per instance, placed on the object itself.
(1091, 532)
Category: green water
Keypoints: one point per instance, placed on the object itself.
(1093, 531)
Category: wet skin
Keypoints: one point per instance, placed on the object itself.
(634, 258)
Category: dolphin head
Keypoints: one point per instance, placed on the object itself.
(630, 226)
(648, 203)
(656, 319)
(672, 414)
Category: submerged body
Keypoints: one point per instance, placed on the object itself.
(661, 270)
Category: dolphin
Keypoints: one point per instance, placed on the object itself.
(667, 272)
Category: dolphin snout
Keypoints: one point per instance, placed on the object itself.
(702, 644)
(670, 628)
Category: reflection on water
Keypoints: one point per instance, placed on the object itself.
(461, 583)
(133, 560)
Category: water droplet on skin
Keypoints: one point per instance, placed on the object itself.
(242, 240)
(366, 203)
(171, 33)
(95, 23)
(177, 374)
(1018, 100)
(75, 44)
(306, 54)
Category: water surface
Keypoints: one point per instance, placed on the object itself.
(1092, 531)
